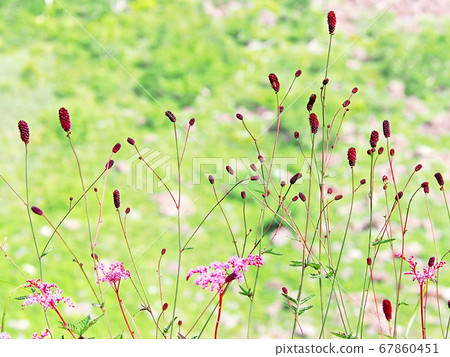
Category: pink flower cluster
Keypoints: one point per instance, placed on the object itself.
(217, 274)
(45, 296)
(42, 335)
(428, 273)
(4, 336)
(114, 274)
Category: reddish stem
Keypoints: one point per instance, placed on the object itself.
(123, 312)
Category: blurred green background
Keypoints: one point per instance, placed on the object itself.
(209, 60)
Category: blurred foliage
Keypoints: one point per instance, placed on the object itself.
(207, 59)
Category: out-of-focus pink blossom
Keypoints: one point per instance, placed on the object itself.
(46, 295)
(217, 274)
(4, 336)
(42, 335)
(114, 274)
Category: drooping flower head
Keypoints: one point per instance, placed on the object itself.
(217, 274)
(46, 295)
(114, 274)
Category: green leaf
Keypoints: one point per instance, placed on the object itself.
(299, 263)
(166, 329)
(119, 336)
(270, 251)
(244, 292)
(21, 297)
(343, 335)
(302, 301)
(290, 299)
(383, 241)
(301, 310)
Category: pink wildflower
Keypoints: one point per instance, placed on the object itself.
(114, 274)
(217, 274)
(43, 334)
(4, 336)
(44, 295)
(428, 273)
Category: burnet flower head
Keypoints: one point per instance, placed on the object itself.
(217, 274)
(48, 295)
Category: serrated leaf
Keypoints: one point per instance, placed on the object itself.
(270, 251)
(383, 241)
(87, 323)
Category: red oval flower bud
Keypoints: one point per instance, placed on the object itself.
(298, 73)
(109, 164)
(284, 290)
(180, 322)
(329, 190)
(338, 197)
(312, 100)
(325, 81)
(131, 141)
(254, 178)
(295, 198)
(37, 210)
(191, 121)
(296, 134)
(116, 148)
(369, 261)
(211, 179)
(128, 210)
(387, 309)
(362, 182)
(163, 251)
(431, 261)
(280, 109)
(392, 152)
(283, 183)
(386, 129)
(239, 116)
(313, 123)
(439, 178)
(418, 167)
(95, 189)
(64, 119)
(331, 19)
(165, 306)
(354, 90)
(230, 170)
(374, 138)
(380, 150)
(116, 198)
(399, 196)
(243, 195)
(274, 82)
(351, 155)
(24, 131)
(346, 103)
(171, 116)
(253, 167)
(294, 178)
(261, 158)
(302, 196)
